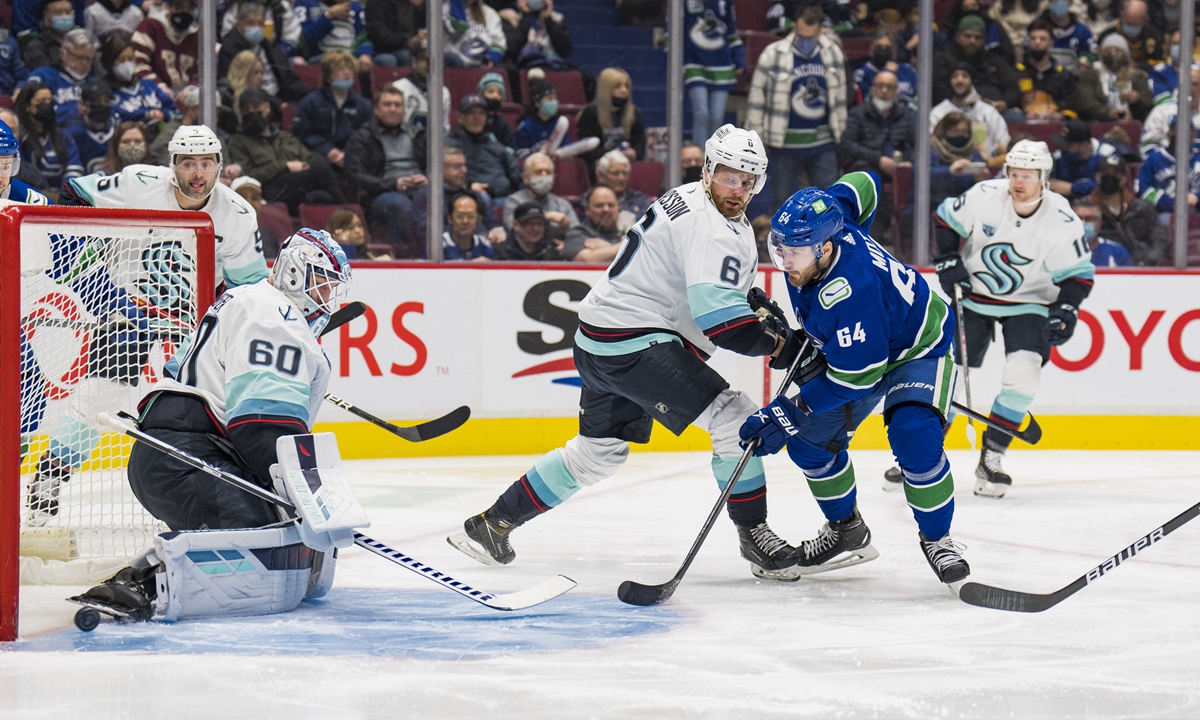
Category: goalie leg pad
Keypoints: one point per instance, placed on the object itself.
(213, 573)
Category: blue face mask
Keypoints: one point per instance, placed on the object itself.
(1131, 30)
(1059, 8)
(1089, 231)
(254, 35)
(549, 107)
(342, 85)
(806, 46)
(62, 23)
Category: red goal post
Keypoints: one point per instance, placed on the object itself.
(28, 228)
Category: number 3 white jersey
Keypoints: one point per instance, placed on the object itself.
(1016, 261)
(253, 356)
(684, 269)
(148, 187)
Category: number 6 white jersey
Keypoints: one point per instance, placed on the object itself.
(1016, 262)
(683, 272)
(252, 357)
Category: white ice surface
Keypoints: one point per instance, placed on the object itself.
(883, 639)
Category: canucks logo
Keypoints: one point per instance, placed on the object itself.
(1001, 276)
(808, 101)
(708, 33)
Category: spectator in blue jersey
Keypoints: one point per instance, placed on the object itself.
(105, 16)
(326, 118)
(883, 57)
(92, 127)
(134, 98)
(491, 166)
(129, 145)
(43, 144)
(541, 115)
(460, 241)
(797, 105)
(76, 57)
(713, 58)
(1106, 252)
(391, 25)
(1157, 123)
(11, 187)
(1046, 87)
(1156, 183)
(1078, 160)
(1126, 218)
(493, 90)
(335, 26)
(40, 41)
(1073, 41)
(249, 33)
(13, 71)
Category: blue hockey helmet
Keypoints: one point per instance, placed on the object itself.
(9, 148)
(312, 270)
(801, 227)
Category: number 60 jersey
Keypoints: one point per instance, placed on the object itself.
(253, 358)
(870, 313)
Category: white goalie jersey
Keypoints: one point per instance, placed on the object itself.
(1014, 260)
(683, 268)
(239, 258)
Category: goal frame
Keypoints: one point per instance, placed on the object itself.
(12, 218)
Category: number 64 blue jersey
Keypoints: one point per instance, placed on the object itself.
(871, 312)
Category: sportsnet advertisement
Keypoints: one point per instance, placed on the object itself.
(498, 338)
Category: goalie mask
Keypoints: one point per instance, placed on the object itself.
(314, 273)
(800, 228)
(10, 155)
(188, 149)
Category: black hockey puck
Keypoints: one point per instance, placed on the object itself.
(87, 619)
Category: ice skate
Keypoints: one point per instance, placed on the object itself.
(893, 479)
(44, 489)
(765, 550)
(127, 597)
(840, 544)
(945, 557)
(485, 539)
(990, 479)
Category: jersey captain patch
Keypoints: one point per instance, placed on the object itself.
(836, 291)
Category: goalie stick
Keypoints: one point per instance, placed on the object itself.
(987, 596)
(416, 433)
(634, 593)
(546, 590)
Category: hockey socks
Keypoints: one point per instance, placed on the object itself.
(833, 487)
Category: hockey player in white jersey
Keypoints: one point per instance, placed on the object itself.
(1026, 265)
(192, 182)
(251, 373)
(674, 294)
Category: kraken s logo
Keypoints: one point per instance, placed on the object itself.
(1002, 276)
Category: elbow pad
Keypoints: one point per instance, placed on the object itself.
(748, 335)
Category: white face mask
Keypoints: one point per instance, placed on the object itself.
(76, 75)
(883, 106)
(541, 184)
(124, 70)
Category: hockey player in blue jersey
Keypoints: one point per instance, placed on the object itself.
(886, 337)
(11, 188)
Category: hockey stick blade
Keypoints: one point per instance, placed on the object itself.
(416, 433)
(348, 312)
(1032, 433)
(988, 596)
(536, 595)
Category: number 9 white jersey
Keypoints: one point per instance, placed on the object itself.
(252, 357)
(1015, 260)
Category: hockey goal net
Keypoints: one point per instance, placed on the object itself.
(92, 304)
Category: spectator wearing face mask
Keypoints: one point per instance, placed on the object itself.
(104, 16)
(326, 118)
(994, 79)
(335, 26)
(883, 57)
(1106, 251)
(955, 163)
(1126, 218)
(1046, 86)
(880, 134)
(91, 128)
(538, 177)
(613, 118)
(492, 90)
(541, 117)
(1144, 41)
(128, 146)
(167, 45)
(1078, 160)
(964, 99)
(1073, 40)
(691, 162)
(281, 24)
(27, 173)
(1156, 182)
(133, 98)
(76, 55)
(13, 71)
(249, 33)
(1114, 89)
(40, 42)
(43, 144)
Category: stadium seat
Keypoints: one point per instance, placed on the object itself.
(287, 115)
(465, 81)
(570, 177)
(317, 216)
(1132, 128)
(1046, 132)
(755, 42)
(274, 217)
(856, 48)
(752, 14)
(569, 84)
(382, 75)
(647, 176)
(6, 101)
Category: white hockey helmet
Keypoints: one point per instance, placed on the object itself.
(1032, 155)
(738, 149)
(313, 271)
(194, 140)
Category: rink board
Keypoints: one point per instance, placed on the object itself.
(498, 338)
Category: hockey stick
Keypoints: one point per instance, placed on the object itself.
(1032, 433)
(966, 364)
(634, 593)
(987, 596)
(417, 433)
(547, 590)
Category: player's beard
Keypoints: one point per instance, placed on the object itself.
(723, 204)
(185, 187)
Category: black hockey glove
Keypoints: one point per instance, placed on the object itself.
(759, 300)
(812, 361)
(1061, 325)
(951, 271)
